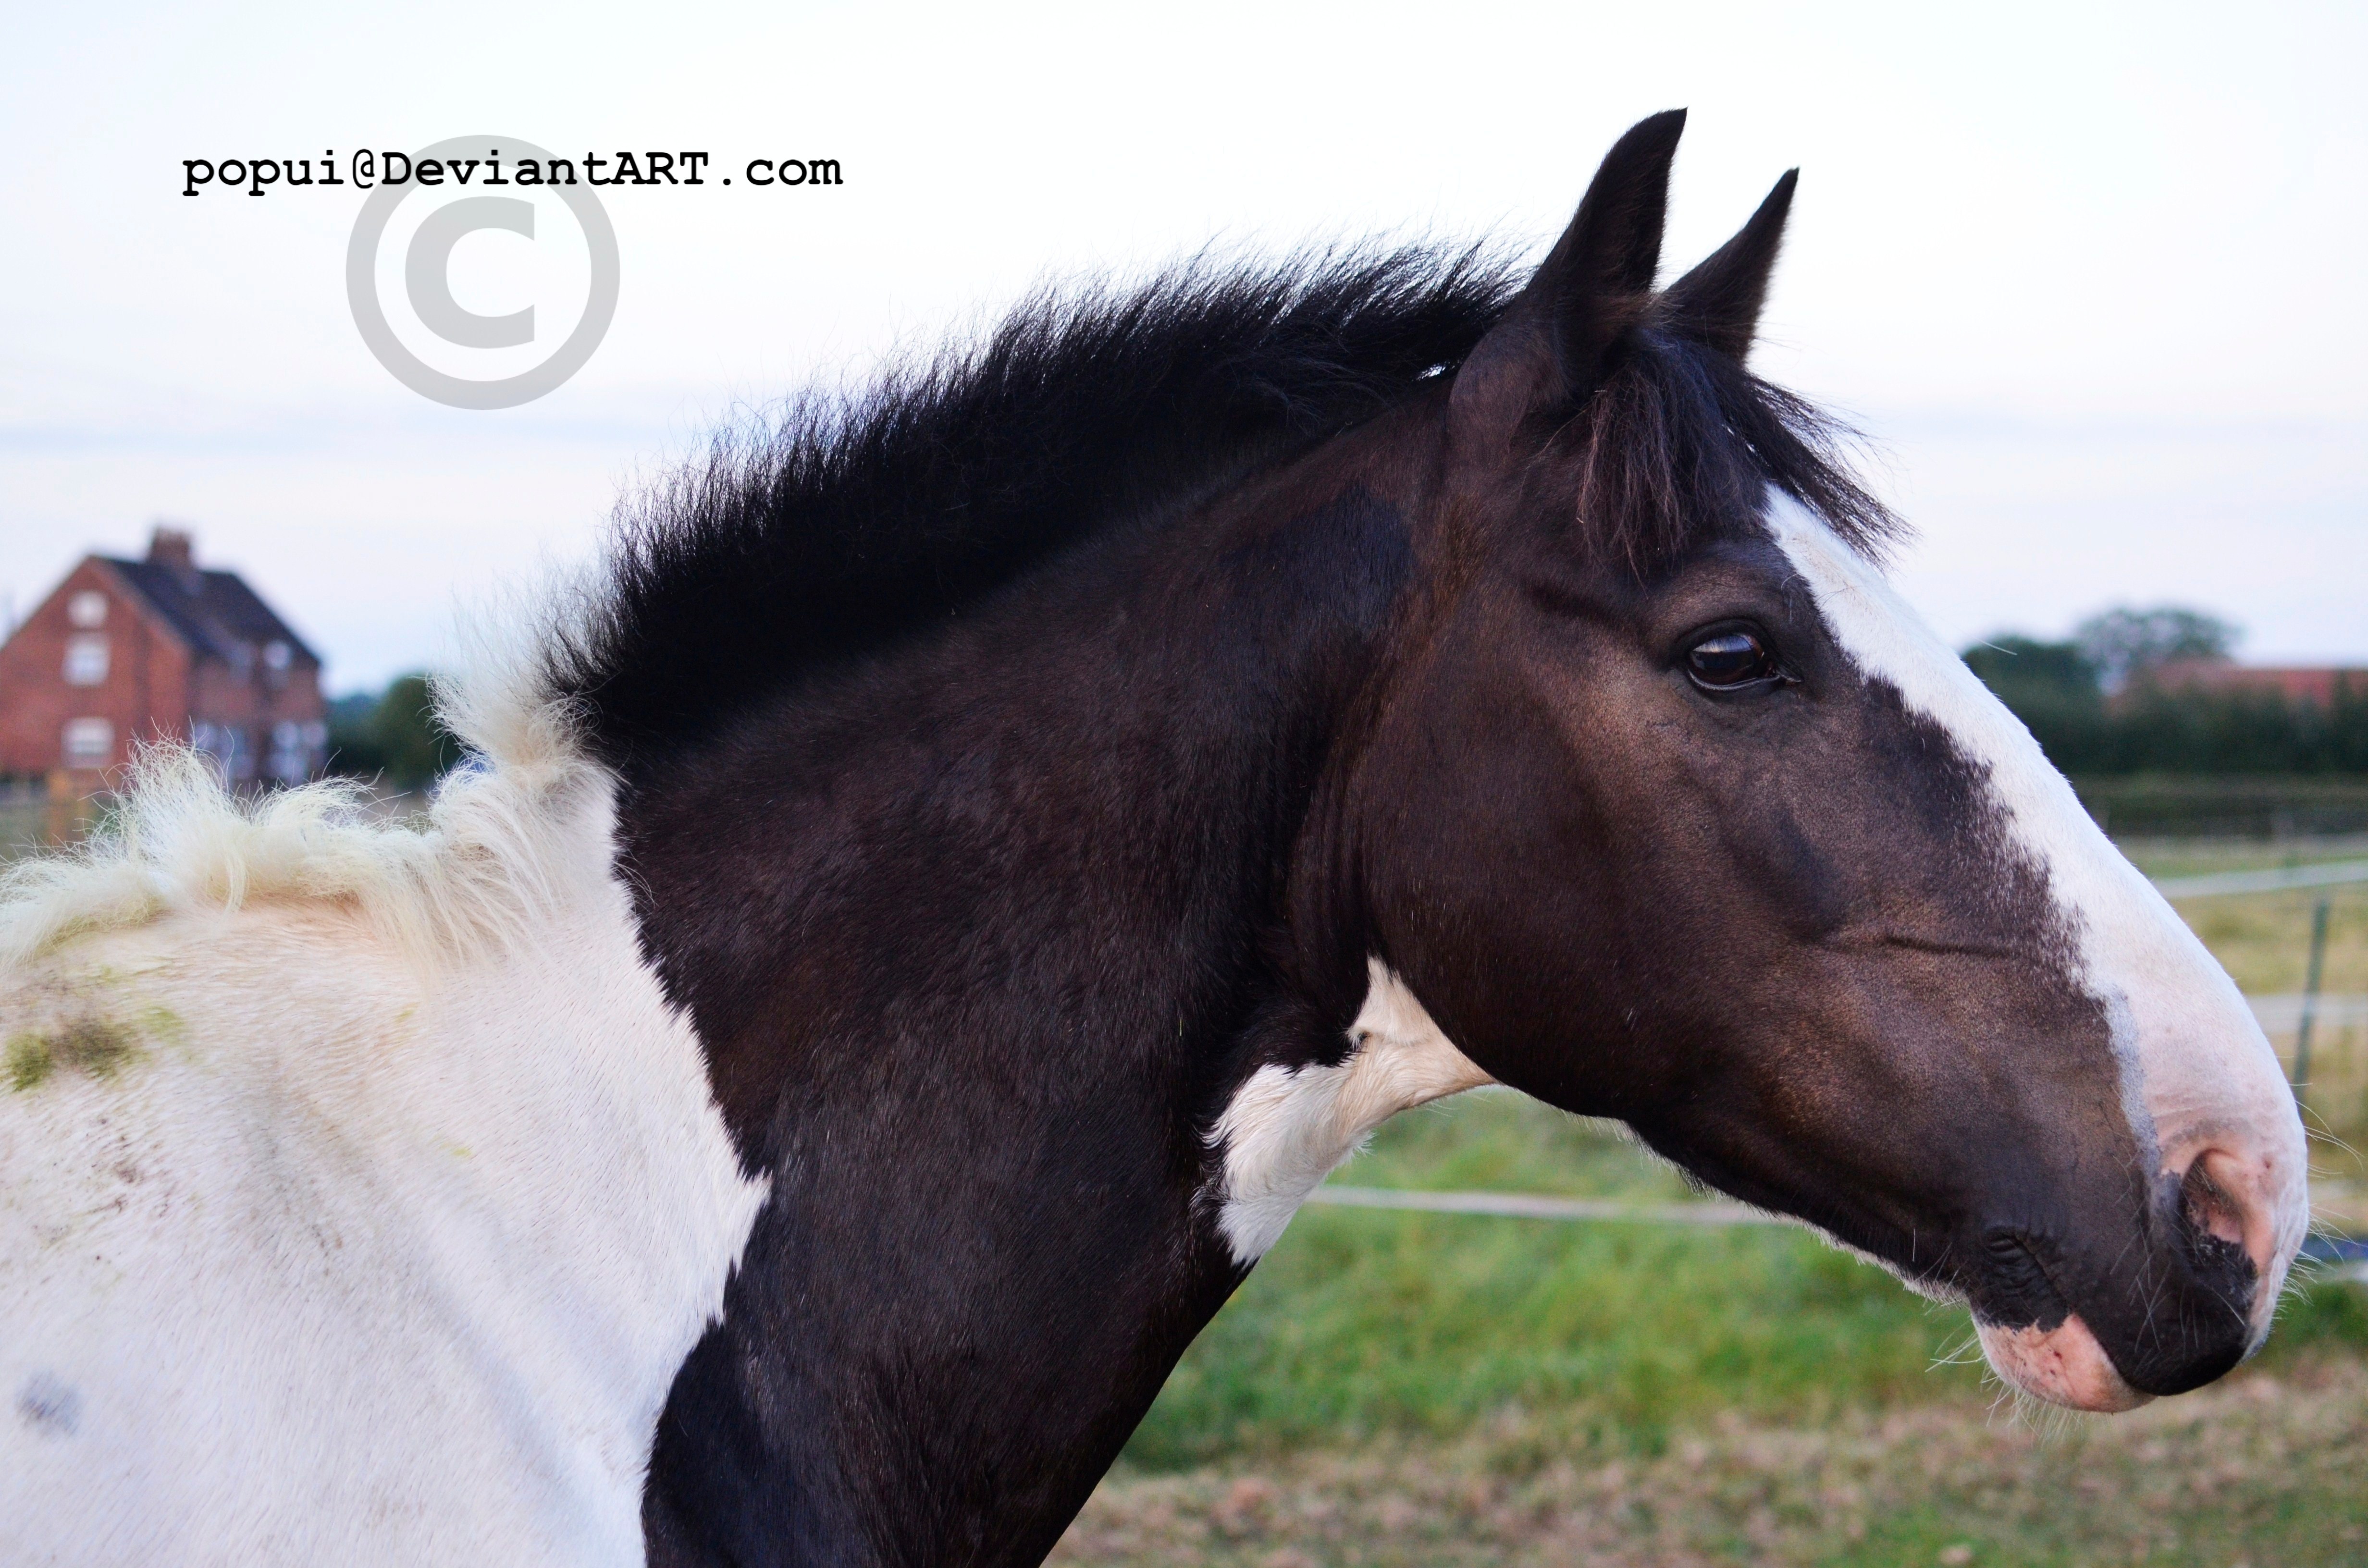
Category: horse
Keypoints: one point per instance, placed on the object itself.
(920, 917)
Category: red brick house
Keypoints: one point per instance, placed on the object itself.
(2315, 686)
(126, 651)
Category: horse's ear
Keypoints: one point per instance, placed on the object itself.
(1718, 302)
(1591, 287)
(1596, 278)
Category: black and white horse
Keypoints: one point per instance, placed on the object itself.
(919, 925)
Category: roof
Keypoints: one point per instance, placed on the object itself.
(2315, 684)
(213, 612)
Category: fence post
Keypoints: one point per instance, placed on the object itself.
(2310, 996)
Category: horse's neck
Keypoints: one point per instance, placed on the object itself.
(975, 983)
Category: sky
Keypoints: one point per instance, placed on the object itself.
(2087, 277)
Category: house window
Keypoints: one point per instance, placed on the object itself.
(276, 655)
(88, 608)
(89, 743)
(87, 661)
(292, 758)
(226, 744)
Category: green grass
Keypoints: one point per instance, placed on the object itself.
(1426, 1391)
(1600, 1338)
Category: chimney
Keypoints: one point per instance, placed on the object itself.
(176, 549)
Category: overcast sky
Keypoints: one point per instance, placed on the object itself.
(2089, 276)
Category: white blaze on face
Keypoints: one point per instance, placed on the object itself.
(1287, 1128)
(2200, 1081)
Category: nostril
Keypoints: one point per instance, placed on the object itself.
(2211, 1207)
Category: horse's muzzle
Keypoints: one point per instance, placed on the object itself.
(2107, 1322)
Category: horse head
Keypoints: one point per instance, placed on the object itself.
(1671, 810)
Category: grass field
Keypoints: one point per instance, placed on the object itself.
(2261, 1471)
(1612, 1335)
(1397, 1387)
(1403, 1389)
(2264, 941)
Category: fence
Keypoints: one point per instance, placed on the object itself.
(2275, 808)
(2334, 1077)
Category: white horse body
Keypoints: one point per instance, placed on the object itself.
(341, 1220)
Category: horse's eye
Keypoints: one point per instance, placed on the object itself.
(1729, 661)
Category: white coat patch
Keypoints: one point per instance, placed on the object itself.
(360, 1195)
(1287, 1128)
(2198, 1073)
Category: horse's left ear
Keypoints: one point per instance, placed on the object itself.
(1717, 304)
(1552, 347)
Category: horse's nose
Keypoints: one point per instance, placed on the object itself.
(2139, 1318)
(2233, 1209)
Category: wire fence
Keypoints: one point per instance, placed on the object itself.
(2323, 1037)
(2333, 1256)
(2280, 879)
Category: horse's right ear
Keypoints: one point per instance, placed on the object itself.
(1552, 345)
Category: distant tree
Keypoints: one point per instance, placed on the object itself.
(2058, 689)
(2123, 644)
(393, 736)
(420, 749)
(2052, 687)
(354, 747)
(2008, 660)
(2347, 727)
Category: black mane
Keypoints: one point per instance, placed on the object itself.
(852, 522)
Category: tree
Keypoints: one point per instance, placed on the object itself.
(393, 737)
(2123, 644)
(353, 735)
(2052, 687)
(2009, 661)
(2058, 690)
